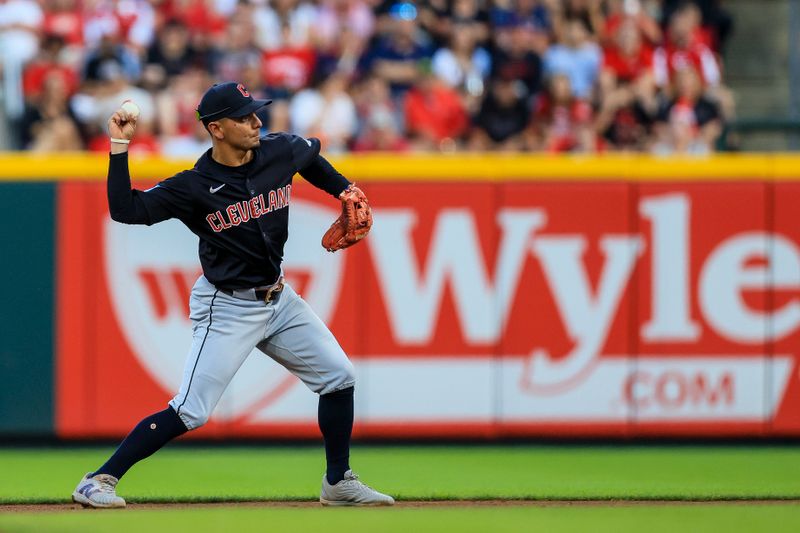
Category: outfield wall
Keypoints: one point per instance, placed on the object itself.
(495, 297)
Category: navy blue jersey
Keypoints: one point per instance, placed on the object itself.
(240, 214)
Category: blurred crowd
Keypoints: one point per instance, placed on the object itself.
(374, 75)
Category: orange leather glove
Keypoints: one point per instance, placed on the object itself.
(353, 224)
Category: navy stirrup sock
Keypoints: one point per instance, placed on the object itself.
(335, 416)
(144, 440)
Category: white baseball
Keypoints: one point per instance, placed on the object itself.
(131, 109)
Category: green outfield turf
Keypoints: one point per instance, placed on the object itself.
(192, 474)
(667, 519)
(420, 473)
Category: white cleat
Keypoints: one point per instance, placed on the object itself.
(351, 491)
(98, 492)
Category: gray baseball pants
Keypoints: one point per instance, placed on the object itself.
(226, 329)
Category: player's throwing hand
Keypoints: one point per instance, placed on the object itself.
(122, 124)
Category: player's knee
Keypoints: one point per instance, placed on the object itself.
(345, 376)
(199, 421)
(338, 378)
(193, 420)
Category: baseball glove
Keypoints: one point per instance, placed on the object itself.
(354, 222)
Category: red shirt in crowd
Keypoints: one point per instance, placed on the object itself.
(437, 112)
(37, 72)
(288, 67)
(66, 24)
(560, 122)
(669, 59)
(627, 68)
(197, 16)
(615, 20)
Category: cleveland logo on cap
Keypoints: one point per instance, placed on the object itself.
(229, 99)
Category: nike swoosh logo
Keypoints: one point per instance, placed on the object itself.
(212, 190)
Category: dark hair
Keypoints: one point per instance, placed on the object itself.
(580, 20)
(683, 7)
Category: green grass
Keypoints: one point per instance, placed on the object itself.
(187, 474)
(529, 472)
(667, 519)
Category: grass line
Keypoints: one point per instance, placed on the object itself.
(439, 498)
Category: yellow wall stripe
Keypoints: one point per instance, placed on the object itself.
(457, 167)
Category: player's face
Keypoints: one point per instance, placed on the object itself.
(242, 132)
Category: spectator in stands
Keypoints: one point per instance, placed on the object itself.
(621, 11)
(380, 133)
(20, 23)
(177, 122)
(98, 101)
(463, 65)
(436, 118)
(288, 67)
(397, 56)
(138, 20)
(469, 13)
(536, 13)
(502, 118)
(282, 24)
(49, 60)
(48, 124)
(515, 57)
(327, 113)
(110, 58)
(341, 35)
(187, 146)
(338, 16)
(577, 57)
(238, 49)
(690, 123)
(535, 16)
(177, 103)
(172, 52)
(491, 56)
(64, 18)
(685, 46)
(589, 12)
(373, 101)
(205, 21)
(562, 120)
(132, 22)
(434, 18)
(628, 93)
(717, 23)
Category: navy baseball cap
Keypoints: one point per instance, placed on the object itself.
(229, 99)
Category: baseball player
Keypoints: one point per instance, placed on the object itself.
(236, 200)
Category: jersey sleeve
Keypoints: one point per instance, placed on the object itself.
(171, 198)
(304, 151)
(321, 174)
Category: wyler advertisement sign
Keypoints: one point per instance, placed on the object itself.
(472, 309)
